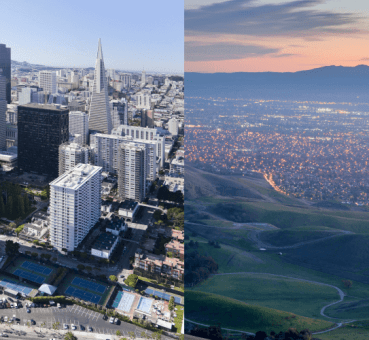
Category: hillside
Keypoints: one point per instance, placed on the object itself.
(213, 309)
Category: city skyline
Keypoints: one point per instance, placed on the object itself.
(152, 40)
(274, 35)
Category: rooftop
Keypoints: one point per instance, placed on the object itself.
(76, 177)
(104, 242)
(128, 205)
(58, 108)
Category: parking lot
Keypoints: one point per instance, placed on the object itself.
(71, 314)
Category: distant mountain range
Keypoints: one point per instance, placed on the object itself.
(330, 83)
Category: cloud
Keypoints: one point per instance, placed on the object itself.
(196, 51)
(289, 19)
(364, 59)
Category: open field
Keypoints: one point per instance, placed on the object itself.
(350, 308)
(279, 293)
(353, 331)
(288, 237)
(212, 309)
(285, 217)
(346, 256)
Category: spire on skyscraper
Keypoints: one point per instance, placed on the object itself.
(100, 118)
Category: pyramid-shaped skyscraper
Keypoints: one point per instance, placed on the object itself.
(100, 118)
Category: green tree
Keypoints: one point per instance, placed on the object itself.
(26, 202)
(113, 278)
(19, 229)
(81, 267)
(2, 206)
(171, 303)
(9, 207)
(69, 336)
(88, 268)
(132, 335)
(55, 325)
(11, 248)
(20, 206)
(34, 255)
(118, 332)
(54, 259)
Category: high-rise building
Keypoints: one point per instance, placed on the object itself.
(119, 112)
(71, 154)
(132, 171)
(5, 70)
(143, 78)
(3, 107)
(41, 130)
(47, 81)
(126, 80)
(100, 119)
(105, 149)
(147, 118)
(78, 125)
(143, 101)
(75, 205)
(173, 126)
(143, 133)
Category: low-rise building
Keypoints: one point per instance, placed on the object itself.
(104, 245)
(128, 209)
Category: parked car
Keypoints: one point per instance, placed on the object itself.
(111, 320)
(65, 326)
(117, 321)
(73, 326)
(89, 329)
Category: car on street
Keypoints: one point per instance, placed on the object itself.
(111, 320)
(82, 327)
(89, 329)
(4, 335)
(116, 321)
(65, 326)
(28, 310)
(73, 326)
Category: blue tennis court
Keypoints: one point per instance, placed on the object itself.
(29, 276)
(89, 285)
(162, 295)
(15, 286)
(80, 294)
(36, 268)
(145, 305)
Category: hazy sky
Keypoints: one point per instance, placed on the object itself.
(134, 34)
(272, 35)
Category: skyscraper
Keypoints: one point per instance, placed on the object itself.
(78, 125)
(47, 81)
(143, 78)
(2, 113)
(132, 171)
(5, 70)
(70, 155)
(41, 129)
(147, 118)
(119, 112)
(75, 205)
(173, 126)
(100, 118)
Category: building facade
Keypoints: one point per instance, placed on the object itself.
(5, 70)
(132, 171)
(75, 204)
(47, 81)
(100, 118)
(41, 130)
(3, 107)
(78, 125)
(70, 155)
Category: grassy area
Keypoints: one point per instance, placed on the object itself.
(217, 223)
(279, 293)
(213, 309)
(142, 278)
(353, 331)
(178, 319)
(351, 308)
(286, 217)
(229, 259)
(294, 235)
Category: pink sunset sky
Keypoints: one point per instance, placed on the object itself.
(272, 35)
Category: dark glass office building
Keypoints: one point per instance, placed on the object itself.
(5, 69)
(41, 129)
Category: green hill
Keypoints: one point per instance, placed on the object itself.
(213, 309)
